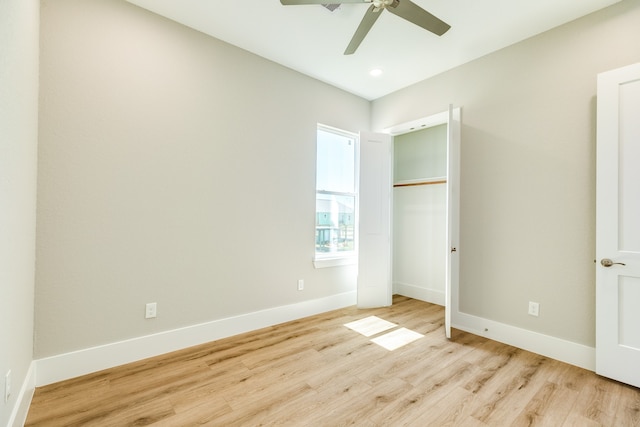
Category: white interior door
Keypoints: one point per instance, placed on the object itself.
(618, 225)
(374, 236)
(453, 217)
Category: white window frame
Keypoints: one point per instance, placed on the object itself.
(335, 259)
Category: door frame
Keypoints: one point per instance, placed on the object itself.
(451, 118)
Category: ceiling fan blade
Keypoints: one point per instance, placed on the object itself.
(367, 22)
(299, 2)
(413, 13)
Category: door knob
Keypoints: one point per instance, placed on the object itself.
(606, 262)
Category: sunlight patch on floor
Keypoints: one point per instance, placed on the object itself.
(397, 338)
(372, 325)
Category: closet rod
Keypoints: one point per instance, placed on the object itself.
(411, 184)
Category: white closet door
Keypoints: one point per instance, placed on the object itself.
(453, 218)
(374, 251)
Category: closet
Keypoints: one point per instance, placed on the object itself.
(420, 214)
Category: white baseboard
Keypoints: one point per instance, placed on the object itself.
(556, 348)
(423, 294)
(69, 365)
(21, 409)
(81, 362)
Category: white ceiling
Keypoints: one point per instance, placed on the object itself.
(311, 39)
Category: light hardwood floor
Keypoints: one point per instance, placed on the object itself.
(317, 372)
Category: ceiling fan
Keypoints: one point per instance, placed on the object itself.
(403, 8)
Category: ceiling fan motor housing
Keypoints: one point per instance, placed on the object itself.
(381, 4)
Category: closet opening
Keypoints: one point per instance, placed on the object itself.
(420, 214)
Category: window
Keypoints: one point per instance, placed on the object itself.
(336, 194)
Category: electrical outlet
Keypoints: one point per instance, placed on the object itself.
(534, 308)
(7, 386)
(300, 284)
(151, 310)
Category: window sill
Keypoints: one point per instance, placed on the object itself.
(336, 261)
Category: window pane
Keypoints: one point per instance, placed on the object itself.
(335, 223)
(335, 162)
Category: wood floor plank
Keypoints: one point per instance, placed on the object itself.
(511, 392)
(593, 402)
(425, 396)
(60, 402)
(576, 420)
(453, 410)
(259, 409)
(628, 408)
(317, 372)
(440, 355)
(359, 408)
(263, 384)
(546, 406)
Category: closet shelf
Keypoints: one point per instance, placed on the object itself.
(424, 181)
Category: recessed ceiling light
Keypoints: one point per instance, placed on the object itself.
(376, 72)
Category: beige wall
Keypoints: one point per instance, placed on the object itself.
(528, 168)
(173, 168)
(18, 151)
